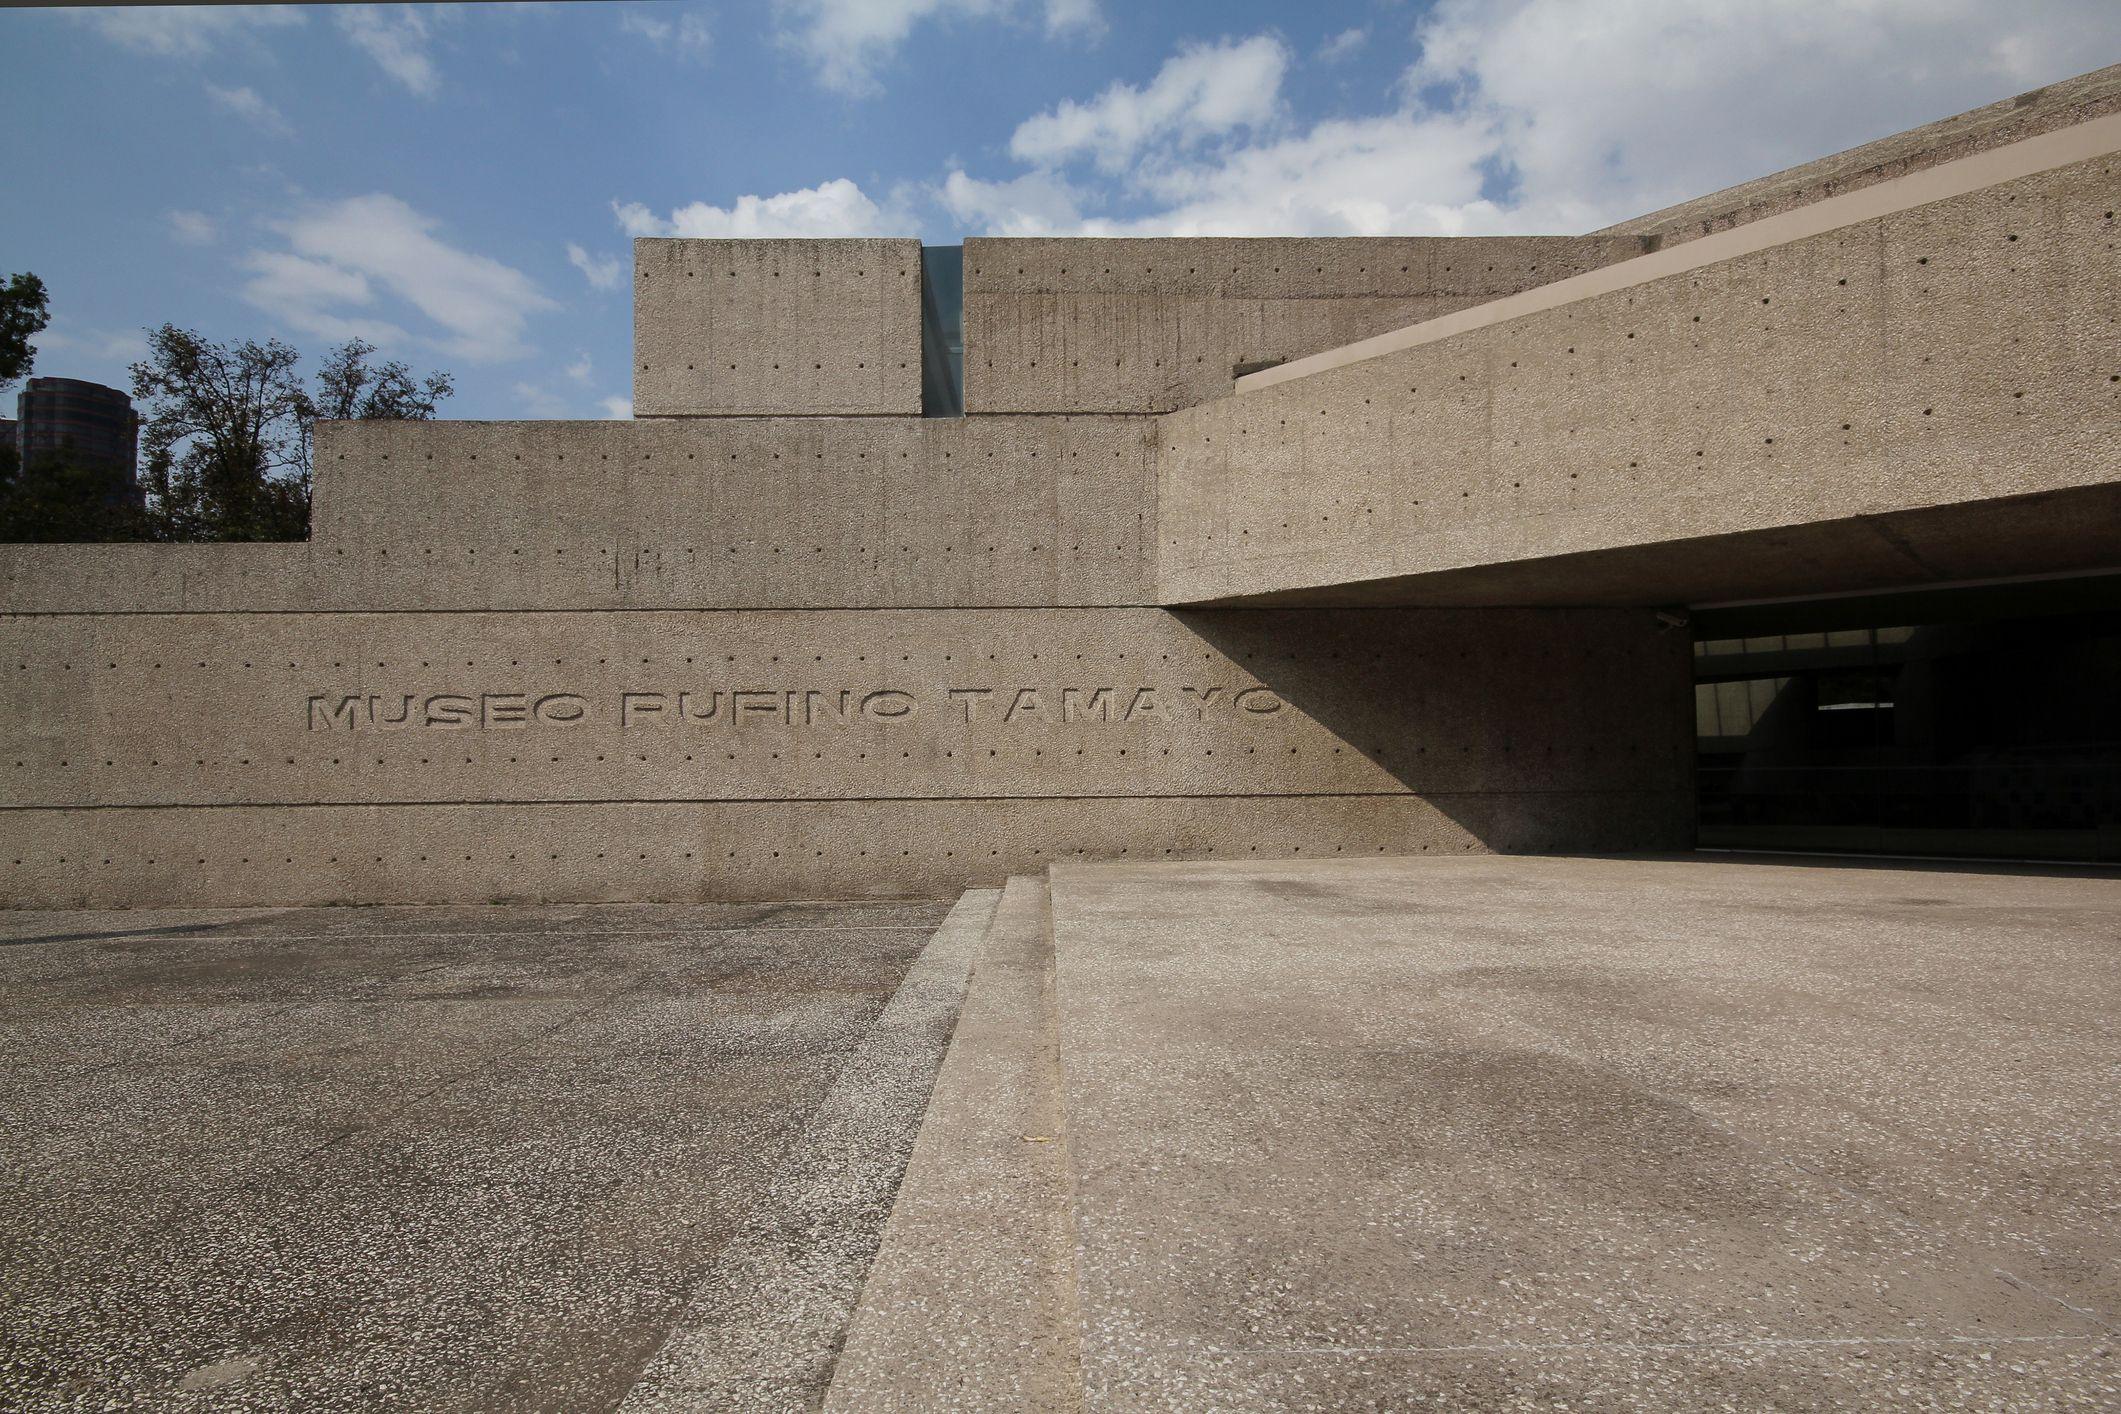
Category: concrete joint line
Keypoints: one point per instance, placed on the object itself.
(2044, 153)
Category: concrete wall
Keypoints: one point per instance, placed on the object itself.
(1958, 354)
(761, 327)
(241, 758)
(2042, 110)
(1056, 325)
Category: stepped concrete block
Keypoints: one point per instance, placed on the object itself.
(776, 326)
(1057, 325)
(971, 1302)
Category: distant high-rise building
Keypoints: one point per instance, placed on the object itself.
(93, 424)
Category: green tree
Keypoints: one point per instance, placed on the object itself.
(224, 438)
(229, 428)
(23, 314)
(58, 498)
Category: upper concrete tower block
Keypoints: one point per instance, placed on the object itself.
(823, 328)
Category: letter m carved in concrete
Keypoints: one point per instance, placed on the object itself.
(323, 718)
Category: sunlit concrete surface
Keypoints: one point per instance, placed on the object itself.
(450, 1159)
(1532, 1133)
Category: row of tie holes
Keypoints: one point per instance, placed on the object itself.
(903, 854)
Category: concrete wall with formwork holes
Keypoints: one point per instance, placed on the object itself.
(255, 758)
(2043, 110)
(727, 328)
(1959, 354)
(734, 513)
(1133, 326)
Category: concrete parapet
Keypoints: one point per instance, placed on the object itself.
(1953, 354)
(828, 327)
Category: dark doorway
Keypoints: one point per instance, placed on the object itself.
(1966, 722)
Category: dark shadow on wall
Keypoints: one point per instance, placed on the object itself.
(1534, 730)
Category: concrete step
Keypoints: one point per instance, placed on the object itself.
(970, 1303)
(760, 1329)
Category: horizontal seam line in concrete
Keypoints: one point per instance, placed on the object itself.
(1761, 1342)
(592, 609)
(2081, 142)
(689, 609)
(423, 935)
(813, 799)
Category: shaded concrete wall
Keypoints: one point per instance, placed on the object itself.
(1955, 354)
(776, 326)
(1132, 326)
(226, 758)
(2041, 110)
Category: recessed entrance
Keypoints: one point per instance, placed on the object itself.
(1981, 721)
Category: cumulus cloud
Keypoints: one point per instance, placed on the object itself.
(602, 272)
(686, 35)
(1037, 204)
(247, 104)
(193, 228)
(1521, 115)
(1203, 91)
(184, 31)
(835, 208)
(581, 370)
(343, 256)
(1345, 45)
(396, 37)
(846, 41)
(617, 407)
(539, 401)
(82, 341)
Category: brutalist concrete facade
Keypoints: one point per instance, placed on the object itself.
(1203, 573)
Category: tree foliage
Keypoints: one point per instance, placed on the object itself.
(225, 442)
(229, 428)
(23, 314)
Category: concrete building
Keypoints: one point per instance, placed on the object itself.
(1193, 628)
(88, 422)
(1725, 524)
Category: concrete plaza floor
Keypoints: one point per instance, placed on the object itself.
(433, 1158)
(1477, 1132)
(1496, 1132)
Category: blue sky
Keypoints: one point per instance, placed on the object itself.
(459, 183)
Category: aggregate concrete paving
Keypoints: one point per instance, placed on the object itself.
(438, 1158)
(1534, 1133)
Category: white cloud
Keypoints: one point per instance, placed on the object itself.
(602, 272)
(1074, 17)
(1037, 204)
(581, 370)
(245, 103)
(617, 407)
(1345, 45)
(687, 34)
(184, 31)
(1203, 91)
(84, 342)
(193, 228)
(846, 41)
(395, 36)
(834, 208)
(1525, 116)
(1614, 109)
(346, 253)
(539, 402)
